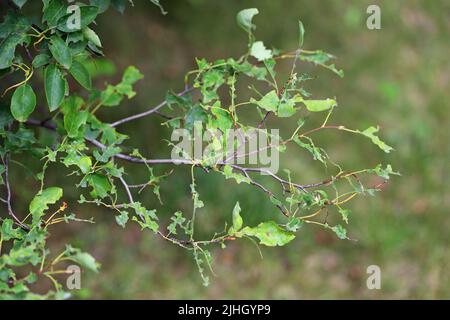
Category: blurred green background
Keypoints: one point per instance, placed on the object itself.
(397, 77)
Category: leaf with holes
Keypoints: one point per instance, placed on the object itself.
(269, 234)
(40, 202)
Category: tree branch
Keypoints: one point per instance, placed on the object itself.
(148, 112)
(7, 201)
(132, 159)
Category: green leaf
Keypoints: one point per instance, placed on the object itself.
(230, 174)
(91, 36)
(87, 16)
(2, 170)
(110, 97)
(131, 76)
(196, 198)
(340, 232)
(73, 121)
(237, 220)
(286, 109)
(301, 35)
(55, 86)
(149, 217)
(53, 11)
(82, 162)
(370, 133)
(383, 173)
(195, 114)
(319, 105)
(100, 185)
(316, 152)
(294, 224)
(269, 234)
(41, 60)
(8, 49)
(322, 58)
(60, 51)
(8, 231)
(84, 259)
(177, 220)
(23, 102)
(81, 74)
(269, 102)
(223, 119)
(113, 95)
(344, 214)
(85, 164)
(244, 19)
(13, 22)
(122, 219)
(40, 203)
(260, 52)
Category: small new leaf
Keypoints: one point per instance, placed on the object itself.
(237, 220)
(301, 36)
(260, 52)
(40, 203)
(319, 105)
(371, 134)
(245, 17)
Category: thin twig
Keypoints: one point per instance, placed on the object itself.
(127, 189)
(5, 161)
(148, 112)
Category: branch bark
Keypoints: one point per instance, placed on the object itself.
(148, 112)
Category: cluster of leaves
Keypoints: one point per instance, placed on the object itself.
(92, 149)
